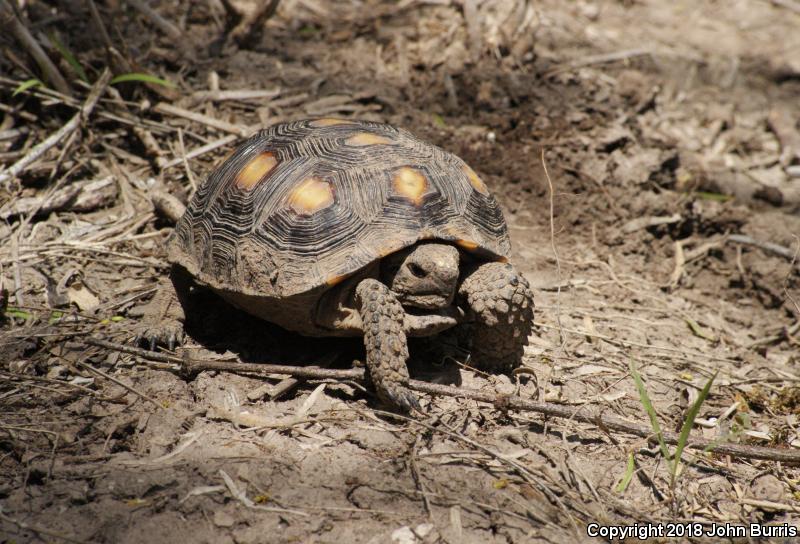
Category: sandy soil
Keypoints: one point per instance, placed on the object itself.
(663, 234)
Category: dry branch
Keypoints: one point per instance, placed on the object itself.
(593, 416)
(81, 196)
(202, 150)
(40, 149)
(237, 94)
(169, 109)
(9, 20)
(247, 32)
(783, 124)
(165, 26)
(769, 247)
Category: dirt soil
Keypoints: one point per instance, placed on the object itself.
(663, 235)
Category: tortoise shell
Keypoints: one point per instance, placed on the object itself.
(300, 206)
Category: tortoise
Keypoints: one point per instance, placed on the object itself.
(335, 227)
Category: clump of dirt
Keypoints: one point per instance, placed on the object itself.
(651, 193)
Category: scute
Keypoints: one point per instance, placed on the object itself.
(298, 208)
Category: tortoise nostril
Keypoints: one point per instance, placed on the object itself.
(417, 270)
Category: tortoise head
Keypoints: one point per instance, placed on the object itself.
(424, 275)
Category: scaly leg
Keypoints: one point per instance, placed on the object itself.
(162, 323)
(502, 304)
(387, 349)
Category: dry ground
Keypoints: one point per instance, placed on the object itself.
(670, 134)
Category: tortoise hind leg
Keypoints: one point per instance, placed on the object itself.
(387, 350)
(163, 320)
(502, 305)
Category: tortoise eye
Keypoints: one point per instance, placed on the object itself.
(417, 270)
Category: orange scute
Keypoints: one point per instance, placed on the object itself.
(410, 183)
(329, 122)
(475, 181)
(367, 138)
(310, 196)
(256, 170)
(335, 280)
(469, 245)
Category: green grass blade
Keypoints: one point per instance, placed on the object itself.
(688, 423)
(70, 58)
(19, 314)
(141, 78)
(651, 412)
(27, 84)
(698, 331)
(55, 316)
(628, 476)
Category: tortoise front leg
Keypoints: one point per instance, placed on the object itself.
(387, 350)
(502, 305)
(162, 323)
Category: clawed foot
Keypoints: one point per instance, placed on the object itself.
(168, 334)
(502, 305)
(399, 396)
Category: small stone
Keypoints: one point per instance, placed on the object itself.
(768, 488)
(404, 535)
(223, 519)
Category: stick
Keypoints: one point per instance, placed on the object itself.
(41, 148)
(9, 19)
(769, 247)
(593, 416)
(237, 94)
(202, 150)
(139, 394)
(561, 334)
(40, 530)
(167, 205)
(101, 28)
(169, 109)
(249, 29)
(792, 5)
(163, 25)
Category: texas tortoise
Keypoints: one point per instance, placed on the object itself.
(332, 227)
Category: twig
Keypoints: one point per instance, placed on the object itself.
(41, 148)
(472, 19)
(9, 19)
(792, 5)
(769, 247)
(240, 496)
(101, 28)
(39, 530)
(202, 150)
(231, 12)
(237, 94)
(167, 205)
(169, 109)
(600, 59)
(417, 477)
(274, 392)
(583, 414)
(247, 32)
(17, 269)
(122, 384)
(189, 173)
(680, 262)
(519, 468)
(555, 253)
(163, 25)
(771, 506)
